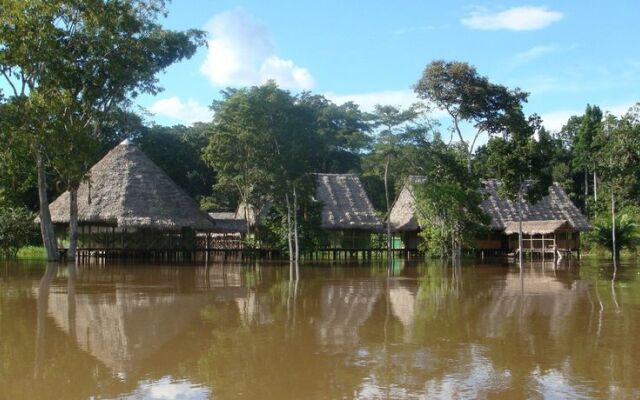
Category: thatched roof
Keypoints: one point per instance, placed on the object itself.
(228, 222)
(126, 189)
(252, 213)
(553, 210)
(556, 206)
(535, 227)
(403, 212)
(345, 203)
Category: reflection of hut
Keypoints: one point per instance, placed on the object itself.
(122, 329)
(552, 223)
(347, 213)
(344, 309)
(128, 203)
(536, 295)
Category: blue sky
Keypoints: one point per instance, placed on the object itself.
(565, 53)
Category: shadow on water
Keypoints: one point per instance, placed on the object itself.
(381, 330)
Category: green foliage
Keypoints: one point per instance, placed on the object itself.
(627, 231)
(16, 230)
(177, 151)
(273, 229)
(448, 209)
(32, 253)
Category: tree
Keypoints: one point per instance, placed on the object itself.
(177, 150)
(520, 163)
(81, 59)
(466, 96)
(618, 159)
(262, 146)
(390, 122)
(585, 146)
(448, 202)
(16, 229)
(626, 234)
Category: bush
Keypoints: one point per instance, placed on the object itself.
(17, 229)
(627, 231)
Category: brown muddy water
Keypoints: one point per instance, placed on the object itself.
(422, 330)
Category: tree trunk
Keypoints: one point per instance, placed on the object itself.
(73, 223)
(386, 196)
(46, 225)
(295, 227)
(520, 228)
(595, 187)
(586, 187)
(289, 230)
(614, 250)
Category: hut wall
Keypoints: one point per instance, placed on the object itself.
(349, 239)
(491, 241)
(411, 240)
(565, 240)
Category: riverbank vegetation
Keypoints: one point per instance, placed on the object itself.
(263, 142)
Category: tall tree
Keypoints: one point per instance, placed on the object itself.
(91, 55)
(520, 163)
(468, 97)
(585, 146)
(390, 121)
(448, 201)
(619, 158)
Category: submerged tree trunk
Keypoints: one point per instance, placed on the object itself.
(290, 242)
(46, 225)
(295, 227)
(586, 187)
(595, 187)
(614, 250)
(386, 196)
(73, 223)
(520, 228)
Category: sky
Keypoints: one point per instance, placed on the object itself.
(566, 54)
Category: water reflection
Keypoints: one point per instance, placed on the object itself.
(252, 331)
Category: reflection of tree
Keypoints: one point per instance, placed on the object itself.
(43, 303)
(37, 360)
(433, 331)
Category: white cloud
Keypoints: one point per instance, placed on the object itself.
(240, 53)
(185, 112)
(525, 18)
(555, 120)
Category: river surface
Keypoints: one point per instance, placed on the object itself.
(342, 331)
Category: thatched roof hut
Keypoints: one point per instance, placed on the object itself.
(403, 211)
(554, 211)
(228, 222)
(345, 203)
(127, 190)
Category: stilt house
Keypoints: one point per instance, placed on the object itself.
(347, 213)
(552, 223)
(127, 203)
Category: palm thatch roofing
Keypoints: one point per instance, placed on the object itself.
(228, 222)
(556, 206)
(552, 212)
(126, 189)
(535, 227)
(345, 203)
(402, 216)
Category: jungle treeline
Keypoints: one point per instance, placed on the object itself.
(66, 105)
